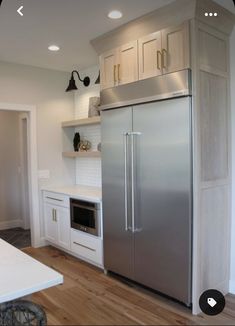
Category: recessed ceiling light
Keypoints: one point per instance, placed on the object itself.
(115, 14)
(53, 48)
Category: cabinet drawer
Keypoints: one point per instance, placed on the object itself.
(56, 199)
(87, 246)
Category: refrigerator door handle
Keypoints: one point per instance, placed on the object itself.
(125, 180)
(132, 134)
(132, 186)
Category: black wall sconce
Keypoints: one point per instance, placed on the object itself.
(72, 85)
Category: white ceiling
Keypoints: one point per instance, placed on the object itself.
(71, 24)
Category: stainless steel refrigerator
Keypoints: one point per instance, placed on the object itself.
(147, 183)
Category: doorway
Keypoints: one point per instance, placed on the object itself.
(28, 191)
(14, 189)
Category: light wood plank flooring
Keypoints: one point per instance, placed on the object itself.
(88, 297)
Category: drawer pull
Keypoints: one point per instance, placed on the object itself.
(54, 198)
(78, 244)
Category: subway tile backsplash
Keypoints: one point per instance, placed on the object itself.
(88, 170)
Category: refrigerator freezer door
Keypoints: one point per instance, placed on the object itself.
(118, 238)
(163, 197)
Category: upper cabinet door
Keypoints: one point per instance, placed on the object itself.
(175, 48)
(150, 58)
(127, 68)
(108, 69)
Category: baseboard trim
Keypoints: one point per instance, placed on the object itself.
(4, 225)
(232, 286)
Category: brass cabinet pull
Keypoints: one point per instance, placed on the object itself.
(114, 73)
(158, 61)
(54, 217)
(119, 75)
(164, 56)
(53, 214)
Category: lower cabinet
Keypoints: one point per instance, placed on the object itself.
(87, 246)
(57, 225)
(58, 230)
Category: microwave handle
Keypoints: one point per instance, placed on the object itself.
(82, 206)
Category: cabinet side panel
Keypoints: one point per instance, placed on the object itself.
(213, 127)
(212, 166)
(213, 51)
(214, 245)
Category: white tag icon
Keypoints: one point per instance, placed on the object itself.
(211, 302)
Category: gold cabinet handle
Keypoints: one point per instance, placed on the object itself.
(119, 74)
(164, 56)
(114, 73)
(159, 55)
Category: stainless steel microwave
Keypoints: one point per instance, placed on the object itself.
(85, 216)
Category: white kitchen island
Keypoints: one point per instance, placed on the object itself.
(21, 275)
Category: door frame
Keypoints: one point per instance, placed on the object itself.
(24, 117)
(33, 168)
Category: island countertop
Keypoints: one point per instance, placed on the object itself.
(22, 275)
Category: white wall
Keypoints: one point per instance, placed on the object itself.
(46, 89)
(88, 170)
(10, 187)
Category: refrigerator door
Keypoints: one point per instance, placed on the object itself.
(118, 238)
(163, 196)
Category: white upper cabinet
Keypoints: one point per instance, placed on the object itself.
(150, 57)
(175, 48)
(128, 63)
(108, 69)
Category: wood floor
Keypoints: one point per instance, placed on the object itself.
(88, 297)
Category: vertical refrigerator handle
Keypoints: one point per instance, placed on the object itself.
(132, 134)
(125, 181)
(132, 186)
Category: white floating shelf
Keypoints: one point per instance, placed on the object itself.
(81, 122)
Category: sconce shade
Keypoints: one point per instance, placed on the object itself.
(98, 79)
(72, 85)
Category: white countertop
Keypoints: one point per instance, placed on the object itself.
(79, 192)
(21, 275)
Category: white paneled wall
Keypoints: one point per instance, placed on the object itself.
(88, 170)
